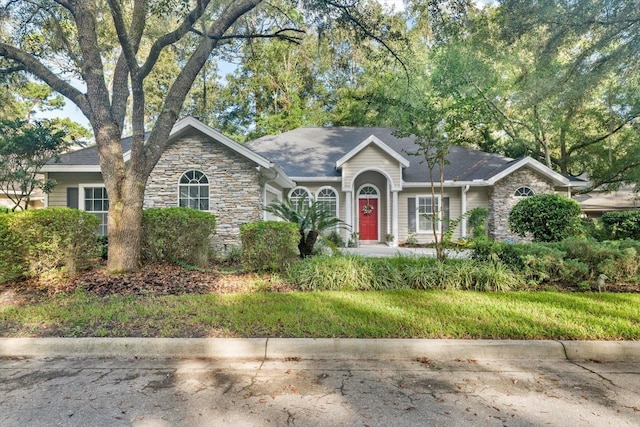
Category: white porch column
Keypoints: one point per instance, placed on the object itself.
(388, 197)
(394, 215)
(348, 214)
(463, 208)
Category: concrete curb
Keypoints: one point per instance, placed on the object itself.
(326, 348)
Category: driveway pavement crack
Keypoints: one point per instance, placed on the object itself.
(603, 378)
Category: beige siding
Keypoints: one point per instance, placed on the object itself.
(455, 200)
(371, 156)
(478, 198)
(58, 197)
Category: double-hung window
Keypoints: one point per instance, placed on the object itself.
(93, 199)
(427, 212)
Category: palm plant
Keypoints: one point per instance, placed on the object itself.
(312, 218)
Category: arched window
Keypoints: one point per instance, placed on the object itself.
(368, 191)
(328, 199)
(298, 194)
(193, 190)
(523, 192)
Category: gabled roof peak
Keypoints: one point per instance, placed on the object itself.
(372, 139)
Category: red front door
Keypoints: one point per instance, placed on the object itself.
(368, 215)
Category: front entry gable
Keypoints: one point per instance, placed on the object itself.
(372, 155)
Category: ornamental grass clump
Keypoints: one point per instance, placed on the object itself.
(354, 273)
(334, 273)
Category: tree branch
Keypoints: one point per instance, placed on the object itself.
(123, 36)
(357, 23)
(33, 66)
(172, 37)
(182, 84)
(280, 34)
(601, 138)
(11, 70)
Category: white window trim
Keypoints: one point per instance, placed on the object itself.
(300, 187)
(273, 190)
(328, 187)
(418, 214)
(81, 198)
(178, 188)
(533, 193)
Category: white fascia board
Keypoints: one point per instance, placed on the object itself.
(533, 164)
(71, 168)
(317, 178)
(283, 180)
(372, 140)
(447, 184)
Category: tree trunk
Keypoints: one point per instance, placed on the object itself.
(124, 225)
(307, 243)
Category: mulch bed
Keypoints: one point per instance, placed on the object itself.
(151, 279)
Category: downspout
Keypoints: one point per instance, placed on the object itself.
(264, 189)
(463, 208)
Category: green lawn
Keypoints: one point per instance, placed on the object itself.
(392, 314)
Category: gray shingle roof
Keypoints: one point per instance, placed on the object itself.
(87, 156)
(313, 152)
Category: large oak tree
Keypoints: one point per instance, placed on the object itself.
(100, 54)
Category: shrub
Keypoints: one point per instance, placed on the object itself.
(572, 262)
(179, 235)
(35, 242)
(269, 245)
(103, 244)
(354, 273)
(477, 222)
(335, 239)
(622, 225)
(12, 264)
(548, 217)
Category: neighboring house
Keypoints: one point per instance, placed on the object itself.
(366, 176)
(36, 201)
(597, 202)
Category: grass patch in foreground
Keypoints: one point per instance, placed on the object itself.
(388, 314)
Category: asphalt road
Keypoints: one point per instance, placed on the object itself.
(82, 391)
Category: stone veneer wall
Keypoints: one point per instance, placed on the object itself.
(235, 194)
(502, 200)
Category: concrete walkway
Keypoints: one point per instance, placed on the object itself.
(382, 250)
(326, 348)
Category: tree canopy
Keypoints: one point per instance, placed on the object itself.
(133, 64)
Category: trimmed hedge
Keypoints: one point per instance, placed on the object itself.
(548, 217)
(622, 225)
(179, 235)
(269, 245)
(35, 242)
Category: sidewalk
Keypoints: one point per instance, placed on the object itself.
(382, 250)
(325, 348)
